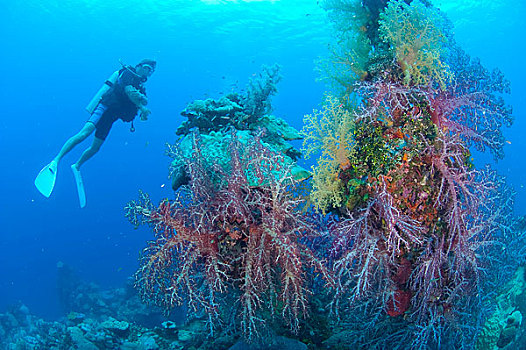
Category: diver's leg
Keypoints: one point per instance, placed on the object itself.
(90, 152)
(86, 130)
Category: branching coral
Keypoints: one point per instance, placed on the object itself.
(330, 131)
(414, 228)
(413, 247)
(235, 231)
(350, 56)
(416, 243)
(260, 89)
(419, 37)
(474, 106)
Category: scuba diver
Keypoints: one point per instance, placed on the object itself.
(121, 97)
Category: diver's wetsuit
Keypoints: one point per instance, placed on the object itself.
(115, 103)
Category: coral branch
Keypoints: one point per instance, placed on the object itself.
(233, 230)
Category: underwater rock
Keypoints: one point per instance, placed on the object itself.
(76, 317)
(503, 328)
(488, 337)
(128, 345)
(147, 342)
(210, 115)
(79, 341)
(21, 313)
(191, 332)
(24, 310)
(507, 336)
(169, 325)
(515, 319)
(276, 343)
(511, 330)
(185, 335)
(97, 319)
(8, 321)
(87, 300)
(278, 126)
(118, 327)
(340, 340)
(99, 331)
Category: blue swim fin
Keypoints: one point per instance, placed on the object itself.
(45, 180)
(80, 186)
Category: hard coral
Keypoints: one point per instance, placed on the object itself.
(241, 111)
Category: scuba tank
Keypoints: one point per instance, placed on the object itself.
(98, 96)
(107, 85)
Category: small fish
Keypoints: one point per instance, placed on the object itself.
(163, 185)
(508, 142)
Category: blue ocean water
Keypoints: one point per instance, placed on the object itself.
(55, 55)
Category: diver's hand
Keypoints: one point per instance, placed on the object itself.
(145, 112)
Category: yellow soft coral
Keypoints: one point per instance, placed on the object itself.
(330, 131)
(350, 53)
(417, 35)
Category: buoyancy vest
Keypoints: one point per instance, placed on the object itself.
(117, 101)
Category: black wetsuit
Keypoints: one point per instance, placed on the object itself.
(115, 103)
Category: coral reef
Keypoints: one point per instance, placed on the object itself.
(395, 240)
(350, 52)
(415, 225)
(405, 231)
(241, 111)
(123, 322)
(331, 132)
(116, 319)
(247, 113)
(419, 35)
(232, 237)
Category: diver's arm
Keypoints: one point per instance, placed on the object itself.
(136, 96)
(139, 99)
